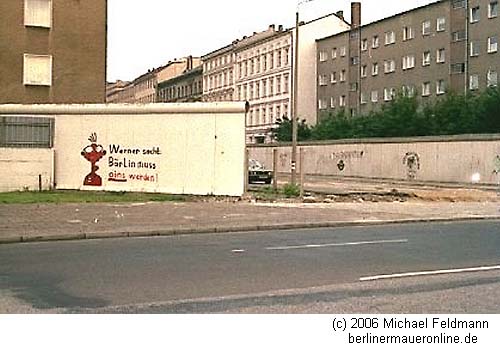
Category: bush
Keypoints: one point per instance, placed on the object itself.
(291, 190)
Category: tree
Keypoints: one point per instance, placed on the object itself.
(284, 130)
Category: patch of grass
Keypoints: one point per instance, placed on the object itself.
(61, 197)
(291, 190)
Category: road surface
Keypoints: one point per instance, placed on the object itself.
(429, 268)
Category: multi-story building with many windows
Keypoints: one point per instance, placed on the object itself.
(446, 46)
(259, 69)
(53, 51)
(262, 77)
(185, 87)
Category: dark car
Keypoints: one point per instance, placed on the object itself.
(258, 173)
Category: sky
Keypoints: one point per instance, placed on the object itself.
(148, 33)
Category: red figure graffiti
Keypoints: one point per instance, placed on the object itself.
(93, 153)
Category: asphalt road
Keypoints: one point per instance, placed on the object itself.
(329, 270)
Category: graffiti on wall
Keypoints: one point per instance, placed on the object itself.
(343, 156)
(496, 165)
(124, 163)
(412, 162)
(283, 158)
(93, 153)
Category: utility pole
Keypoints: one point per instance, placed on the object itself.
(294, 103)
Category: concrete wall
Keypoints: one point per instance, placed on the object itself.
(20, 169)
(168, 148)
(439, 159)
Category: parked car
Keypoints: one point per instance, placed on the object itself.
(258, 173)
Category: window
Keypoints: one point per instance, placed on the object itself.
(322, 80)
(440, 87)
(408, 62)
(492, 44)
(342, 101)
(364, 45)
(364, 98)
(408, 90)
(389, 94)
(390, 37)
(389, 66)
(322, 104)
(458, 4)
(426, 28)
(342, 51)
(474, 82)
(407, 33)
(426, 89)
(38, 13)
(440, 55)
(492, 78)
(322, 56)
(334, 53)
(457, 68)
(374, 96)
(342, 75)
(375, 42)
(37, 70)
(441, 24)
(332, 102)
(474, 14)
(353, 87)
(355, 60)
(493, 9)
(474, 48)
(458, 36)
(333, 78)
(375, 69)
(364, 71)
(426, 58)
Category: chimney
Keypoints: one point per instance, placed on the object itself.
(280, 28)
(271, 27)
(340, 14)
(355, 15)
(189, 63)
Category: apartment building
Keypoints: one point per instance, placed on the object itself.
(46, 57)
(259, 69)
(263, 78)
(218, 74)
(143, 89)
(446, 46)
(186, 87)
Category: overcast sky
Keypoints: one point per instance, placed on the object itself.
(148, 33)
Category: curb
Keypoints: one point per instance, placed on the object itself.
(228, 229)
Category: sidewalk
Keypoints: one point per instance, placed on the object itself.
(50, 222)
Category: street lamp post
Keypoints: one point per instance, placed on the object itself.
(295, 91)
(294, 103)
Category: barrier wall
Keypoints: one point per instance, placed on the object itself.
(460, 159)
(26, 169)
(166, 148)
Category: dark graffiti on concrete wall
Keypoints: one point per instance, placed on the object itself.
(412, 163)
(284, 159)
(496, 165)
(343, 156)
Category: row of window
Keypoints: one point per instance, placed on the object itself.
(264, 88)
(475, 12)
(220, 61)
(267, 115)
(174, 92)
(426, 91)
(222, 79)
(264, 63)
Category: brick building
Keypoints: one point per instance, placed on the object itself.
(448, 45)
(53, 51)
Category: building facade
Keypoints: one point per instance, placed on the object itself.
(263, 78)
(46, 57)
(446, 46)
(218, 74)
(259, 69)
(187, 87)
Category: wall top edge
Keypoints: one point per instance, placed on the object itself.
(118, 109)
(402, 140)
